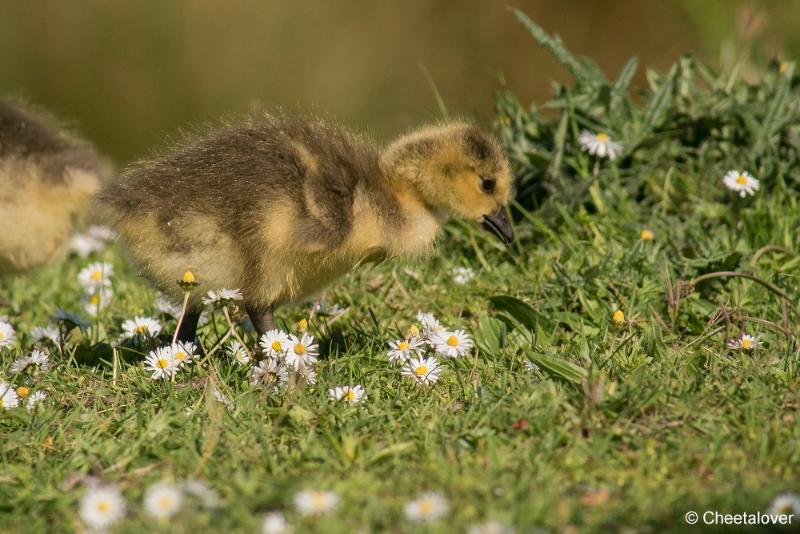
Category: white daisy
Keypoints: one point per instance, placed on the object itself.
(96, 274)
(39, 358)
(70, 319)
(198, 488)
(785, 504)
(163, 500)
(271, 374)
(462, 275)
(306, 375)
(302, 351)
(7, 334)
(274, 523)
(490, 527)
(83, 245)
(103, 233)
(35, 399)
(745, 342)
(101, 507)
(159, 362)
(96, 299)
(275, 343)
(236, 350)
(139, 328)
(429, 506)
(223, 296)
(167, 307)
(182, 353)
(600, 145)
(403, 349)
(8, 396)
(423, 370)
(452, 344)
(222, 399)
(315, 502)
(430, 324)
(741, 182)
(349, 394)
(530, 366)
(19, 365)
(39, 333)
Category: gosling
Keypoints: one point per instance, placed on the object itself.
(48, 178)
(280, 206)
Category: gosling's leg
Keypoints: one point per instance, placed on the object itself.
(261, 316)
(188, 329)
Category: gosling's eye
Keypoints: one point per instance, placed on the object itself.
(487, 184)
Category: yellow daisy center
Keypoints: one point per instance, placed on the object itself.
(452, 341)
(94, 300)
(318, 500)
(647, 235)
(164, 502)
(188, 276)
(350, 395)
(421, 370)
(180, 355)
(747, 343)
(96, 276)
(2, 335)
(618, 317)
(425, 506)
(785, 509)
(276, 345)
(413, 331)
(402, 345)
(162, 363)
(141, 329)
(299, 348)
(302, 325)
(602, 137)
(1, 402)
(741, 180)
(103, 507)
(22, 391)
(783, 67)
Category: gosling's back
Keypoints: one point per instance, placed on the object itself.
(264, 205)
(48, 177)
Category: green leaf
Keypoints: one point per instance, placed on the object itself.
(517, 309)
(490, 334)
(555, 46)
(559, 368)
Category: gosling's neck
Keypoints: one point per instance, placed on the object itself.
(414, 229)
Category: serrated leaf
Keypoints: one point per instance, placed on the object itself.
(554, 45)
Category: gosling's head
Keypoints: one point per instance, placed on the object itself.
(457, 170)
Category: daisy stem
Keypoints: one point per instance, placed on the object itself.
(596, 169)
(214, 348)
(114, 365)
(183, 312)
(233, 331)
(724, 274)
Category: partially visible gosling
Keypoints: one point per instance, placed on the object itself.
(279, 207)
(48, 177)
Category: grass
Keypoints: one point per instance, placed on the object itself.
(622, 425)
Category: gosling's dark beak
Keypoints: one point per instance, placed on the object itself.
(499, 225)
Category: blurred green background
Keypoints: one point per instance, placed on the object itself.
(131, 73)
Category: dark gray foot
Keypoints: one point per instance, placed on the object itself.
(261, 317)
(188, 329)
